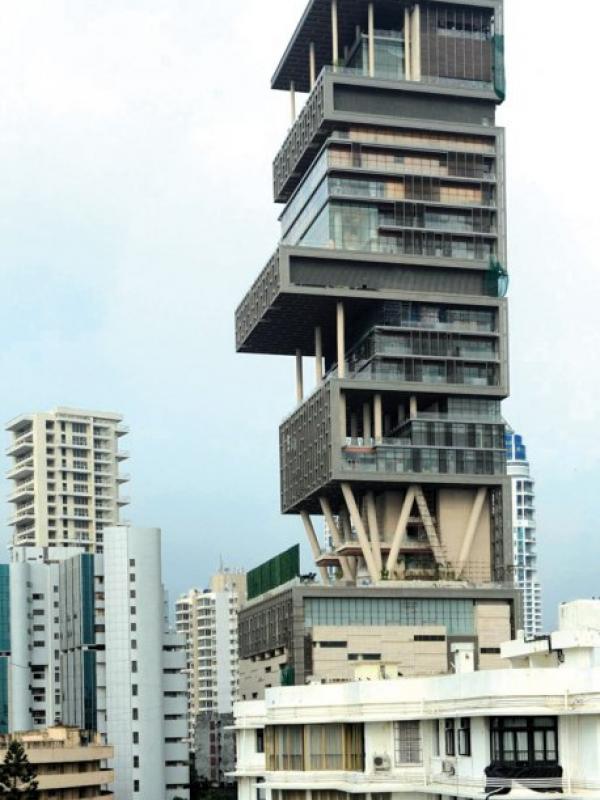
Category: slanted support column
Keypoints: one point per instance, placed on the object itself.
(474, 518)
(334, 33)
(378, 417)
(314, 543)
(360, 531)
(409, 499)
(374, 530)
(335, 536)
(299, 377)
(371, 39)
(318, 354)
(341, 340)
(312, 69)
(293, 101)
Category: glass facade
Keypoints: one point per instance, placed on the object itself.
(431, 461)
(457, 616)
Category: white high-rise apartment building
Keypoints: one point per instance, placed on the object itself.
(85, 640)
(524, 532)
(65, 474)
(208, 620)
(144, 680)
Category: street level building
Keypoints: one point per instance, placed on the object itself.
(524, 533)
(389, 279)
(533, 728)
(65, 477)
(70, 763)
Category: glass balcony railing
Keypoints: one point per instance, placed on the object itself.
(400, 458)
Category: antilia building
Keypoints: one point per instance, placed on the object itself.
(389, 279)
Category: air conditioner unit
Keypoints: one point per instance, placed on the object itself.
(382, 763)
(448, 768)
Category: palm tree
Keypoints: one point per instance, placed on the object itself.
(17, 774)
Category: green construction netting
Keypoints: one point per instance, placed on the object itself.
(280, 569)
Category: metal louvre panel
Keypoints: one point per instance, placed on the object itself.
(373, 276)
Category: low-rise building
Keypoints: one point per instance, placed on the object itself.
(70, 763)
(532, 726)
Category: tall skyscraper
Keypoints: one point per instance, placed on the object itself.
(144, 683)
(390, 277)
(524, 532)
(66, 479)
(209, 621)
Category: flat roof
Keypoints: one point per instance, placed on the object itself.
(315, 26)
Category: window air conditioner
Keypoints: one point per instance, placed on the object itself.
(382, 763)
(448, 768)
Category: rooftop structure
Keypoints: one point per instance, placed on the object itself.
(66, 478)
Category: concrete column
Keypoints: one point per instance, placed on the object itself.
(318, 354)
(341, 340)
(474, 518)
(407, 43)
(367, 421)
(374, 530)
(312, 69)
(371, 39)
(343, 418)
(413, 407)
(314, 543)
(407, 505)
(415, 44)
(360, 531)
(335, 536)
(299, 377)
(293, 101)
(334, 33)
(353, 425)
(378, 418)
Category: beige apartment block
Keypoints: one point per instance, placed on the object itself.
(69, 762)
(65, 477)
(209, 621)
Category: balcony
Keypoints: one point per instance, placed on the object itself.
(336, 101)
(300, 286)
(22, 468)
(23, 516)
(22, 492)
(316, 457)
(21, 445)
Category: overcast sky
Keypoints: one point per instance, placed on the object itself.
(136, 140)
